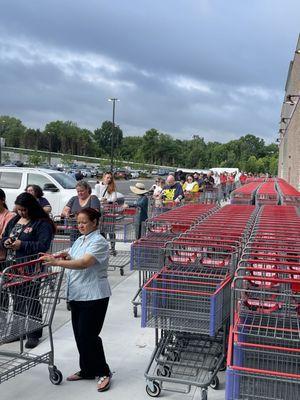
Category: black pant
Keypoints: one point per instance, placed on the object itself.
(87, 321)
(26, 303)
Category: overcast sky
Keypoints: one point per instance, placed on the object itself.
(210, 67)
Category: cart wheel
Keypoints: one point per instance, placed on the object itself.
(155, 392)
(121, 271)
(215, 383)
(203, 394)
(55, 376)
(135, 312)
(164, 371)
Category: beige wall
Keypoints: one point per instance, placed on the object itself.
(289, 147)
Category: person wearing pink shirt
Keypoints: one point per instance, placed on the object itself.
(5, 215)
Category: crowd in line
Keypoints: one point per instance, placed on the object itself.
(28, 230)
(196, 187)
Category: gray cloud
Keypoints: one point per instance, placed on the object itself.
(184, 67)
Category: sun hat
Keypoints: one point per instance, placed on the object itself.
(139, 188)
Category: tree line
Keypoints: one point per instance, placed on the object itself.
(248, 153)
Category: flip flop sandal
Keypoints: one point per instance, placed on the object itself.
(75, 377)
(103, 388)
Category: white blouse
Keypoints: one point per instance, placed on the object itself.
(101, 192)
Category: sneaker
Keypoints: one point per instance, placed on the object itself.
(32, 343)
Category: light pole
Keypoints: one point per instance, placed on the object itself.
(50, 148)
(2, 131)
(113, 99)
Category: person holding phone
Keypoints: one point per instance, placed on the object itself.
(28, 233)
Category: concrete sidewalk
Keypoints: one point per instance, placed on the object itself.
(128, 348)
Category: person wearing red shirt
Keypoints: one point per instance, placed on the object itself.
(243, 178)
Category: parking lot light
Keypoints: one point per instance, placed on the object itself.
(113, 99)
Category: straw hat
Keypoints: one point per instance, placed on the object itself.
(139, 188)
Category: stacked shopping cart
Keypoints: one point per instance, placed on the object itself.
(160, 206)
(245, 194)
(188, 302)
(288, 194)
(264, 351)
(147, 253)
(267, 194)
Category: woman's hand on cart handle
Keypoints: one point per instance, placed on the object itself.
(64, 255)
(50, 260)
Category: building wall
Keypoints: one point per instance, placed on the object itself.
(289, 130)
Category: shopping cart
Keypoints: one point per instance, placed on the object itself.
(66, 234)
(28, 296)
(189, 302)
(119, 260)
(147, 253)
(181, 361)
(245, 194)
(261, 372)
(118, 223)
(288, 194)
(267, 194)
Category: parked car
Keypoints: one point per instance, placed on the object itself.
(162, 172)
(122, 174)
(134, 174)
(154, 172)
(58, 187)
(86, 172)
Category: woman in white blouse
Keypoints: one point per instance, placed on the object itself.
(106, 190)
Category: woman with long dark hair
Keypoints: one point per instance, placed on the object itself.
(37, 192)
(30, 232)
(106, 189)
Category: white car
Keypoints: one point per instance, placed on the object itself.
(134, 174)
(57, 186)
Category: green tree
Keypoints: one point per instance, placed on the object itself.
(150, 146)
(103, 137)
(12, 130)
(251, 165)
(35, 159)
(130, 148)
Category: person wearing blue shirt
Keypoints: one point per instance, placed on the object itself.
(142, 205)
(88, 292)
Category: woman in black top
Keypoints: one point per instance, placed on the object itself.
(30, 232)
(37, 192)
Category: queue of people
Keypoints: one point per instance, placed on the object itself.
(29, 230)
